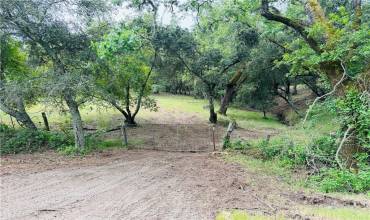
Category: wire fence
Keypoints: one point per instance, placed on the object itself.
(175, 137)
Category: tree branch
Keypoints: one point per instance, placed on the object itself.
(327, 94)
(295, 25)
(345, 136)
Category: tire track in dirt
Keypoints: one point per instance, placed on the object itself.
(143, 185)
(148, 185)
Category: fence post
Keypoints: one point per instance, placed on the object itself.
(230, 129)
(124, 134)
(46, 123)
(213, 137)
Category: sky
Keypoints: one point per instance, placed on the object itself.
(165, 16)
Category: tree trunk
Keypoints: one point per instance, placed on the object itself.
(295, 92)
(212, 113)
(76, 120)
(229, 93)
(230, 90)
(129, 118)
(130, 121)
(287, 88)
(19, 114)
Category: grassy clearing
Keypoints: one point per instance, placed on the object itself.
(246, 119)
(106, 117)
(259, 166)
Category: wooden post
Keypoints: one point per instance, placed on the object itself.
(124, 134)
(46, 123)
(213, 137)
(230, 129)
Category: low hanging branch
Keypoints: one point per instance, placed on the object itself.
(327, 94)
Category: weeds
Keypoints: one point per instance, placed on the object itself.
(15, 141)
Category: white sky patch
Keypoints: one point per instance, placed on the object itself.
(165, 16)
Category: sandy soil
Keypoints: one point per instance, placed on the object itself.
(140, 184)
(134, 185)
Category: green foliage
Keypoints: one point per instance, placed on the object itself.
(156, 89)
(346, 43)
(354, 111)
(118, 42)
(316, 155)
(27, 141)
(93, 143)
(335, 180)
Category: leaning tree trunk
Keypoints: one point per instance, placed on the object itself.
(230, 90)
(76, 120)
(19, 114)
(229, 93)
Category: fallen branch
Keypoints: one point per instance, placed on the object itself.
(327, 94)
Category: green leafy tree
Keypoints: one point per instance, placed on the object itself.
(123, 75)
(63, 43)
(16, 88)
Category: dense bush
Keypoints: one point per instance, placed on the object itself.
(318, 157)
(15, 141)
(336, 180)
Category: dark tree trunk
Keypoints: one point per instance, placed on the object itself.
(46, 122)
(287, 88)
(212, 113)
(130, 121)
(230, 90)
(76, 120)
(129, 118)
(229, 93)
(295, 92)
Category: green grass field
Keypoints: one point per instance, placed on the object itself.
(106, 116)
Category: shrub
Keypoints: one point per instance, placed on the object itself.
(27, 141)
(321, 152)
(335, 180)
(94, 142)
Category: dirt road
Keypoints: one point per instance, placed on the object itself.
(135, 185)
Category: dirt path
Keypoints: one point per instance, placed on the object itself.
(139, 185)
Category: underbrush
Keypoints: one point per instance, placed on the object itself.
(93, 143)
(15, 141)
(317, 158)
(313, 148)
